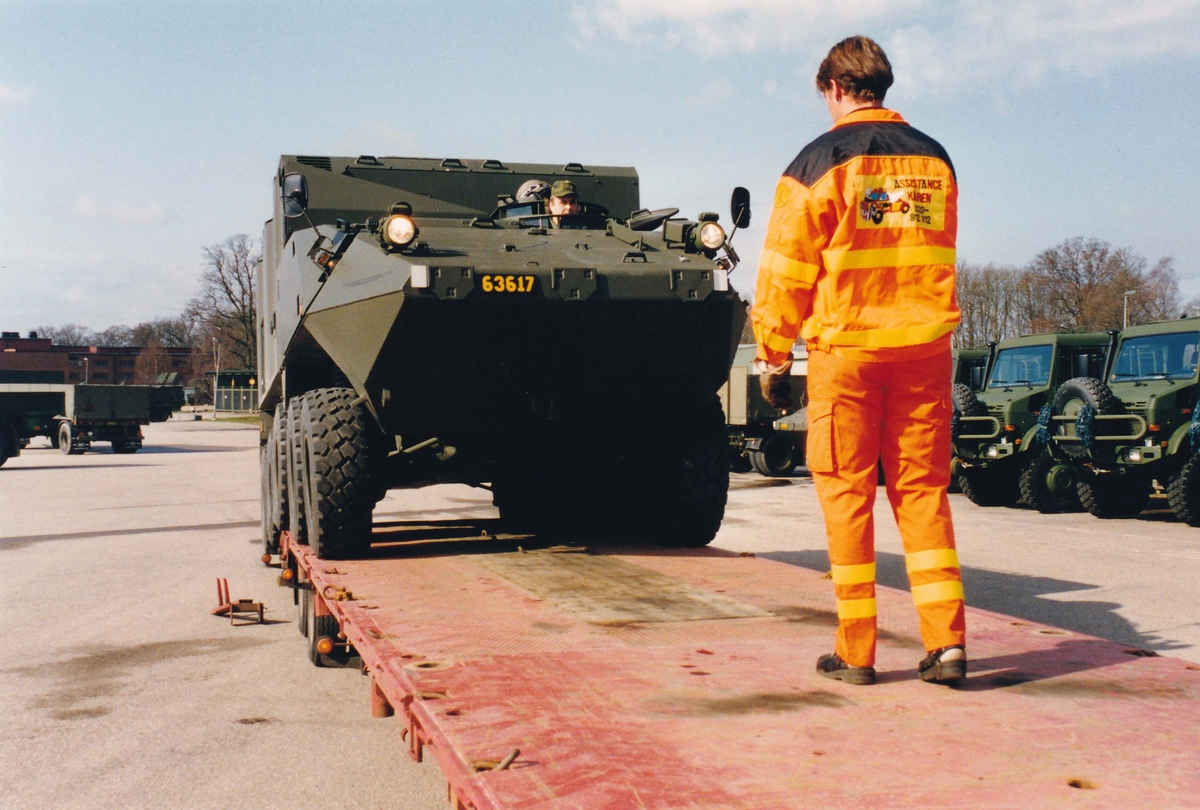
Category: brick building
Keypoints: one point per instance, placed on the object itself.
(34, 359)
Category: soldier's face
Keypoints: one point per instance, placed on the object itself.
(564, 205)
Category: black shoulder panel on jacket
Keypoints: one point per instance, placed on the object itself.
(869, 138)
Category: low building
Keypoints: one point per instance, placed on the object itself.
(34, 359)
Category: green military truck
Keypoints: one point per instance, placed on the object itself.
(73, 416)
(426, 321)
(754, 441)
(1142, 426)
(1000, 447)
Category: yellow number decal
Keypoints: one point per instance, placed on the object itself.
(486, 283)
(510, 284)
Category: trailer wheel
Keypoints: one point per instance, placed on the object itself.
(8, 442)
(988, 487)
(317, 627)
(270, 528)
(296, 464)
(278, 463)
(1183, 492)
(697, 487)
(1110, 496)
(68, 443)
(123, 447)
(739, 460)
(776, 456)
(303, 609)
(340, 484)
(1048, 485)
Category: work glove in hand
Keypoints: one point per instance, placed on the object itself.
(776, 387)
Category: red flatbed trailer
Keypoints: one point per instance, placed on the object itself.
(683, 678)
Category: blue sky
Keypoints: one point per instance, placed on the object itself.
(132, 134)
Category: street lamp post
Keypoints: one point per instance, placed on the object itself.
(1125, 313)
(216, 374)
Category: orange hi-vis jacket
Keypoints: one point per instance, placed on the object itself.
(859, 253)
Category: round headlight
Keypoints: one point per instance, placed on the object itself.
(712, 235)
(399, 230)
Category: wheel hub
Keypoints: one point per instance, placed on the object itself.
(1060, 479)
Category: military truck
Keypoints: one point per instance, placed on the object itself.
(754, 442)
(999, 440)
(73, 416)
(1142, 426)
(421, 324)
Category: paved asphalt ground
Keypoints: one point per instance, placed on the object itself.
(118, 689)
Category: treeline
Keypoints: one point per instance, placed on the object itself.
(1083, 285)
(221, 318)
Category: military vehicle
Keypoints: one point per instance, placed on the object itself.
(754, 441)
(1141, 427)
(999, 441)
(421, 324)
(73, 416)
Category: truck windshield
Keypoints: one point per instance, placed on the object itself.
(1022, 365)
(1157, 357)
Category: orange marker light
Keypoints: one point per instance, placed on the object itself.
(324, 645)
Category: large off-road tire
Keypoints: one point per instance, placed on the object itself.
(1048, 485)
(124, 447)
(274, 465)
(340, 487)
(776, 456)
(9, 445)
(1069, 400)
(296, 464)
(268, 481)
(1110, 495)
(988, 486)
(697, 485)
(739, 460)
(1183, 492)
(965, 402)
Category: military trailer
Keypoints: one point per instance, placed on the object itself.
(1142, 426)
(73, 416)
(165, 400)
(754, 442)
(999, 440)
(421, 324)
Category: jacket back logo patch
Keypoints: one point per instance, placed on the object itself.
(901, 202)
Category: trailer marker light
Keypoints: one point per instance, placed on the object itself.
(288, 574)
(266, 558)
(324, 645)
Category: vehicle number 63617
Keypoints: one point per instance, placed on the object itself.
(506, 284)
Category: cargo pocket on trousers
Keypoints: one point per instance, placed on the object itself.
(819, 445)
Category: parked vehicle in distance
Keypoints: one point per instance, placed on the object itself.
(999, 454)
(1141, 426)
(754, 441)
(73, 416)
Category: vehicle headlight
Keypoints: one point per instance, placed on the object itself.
(711, 235)
(1135, 455)
(399, 230)
(992, 452)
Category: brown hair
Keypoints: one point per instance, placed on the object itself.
(860, 68)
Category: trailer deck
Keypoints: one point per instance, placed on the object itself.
(633, 677)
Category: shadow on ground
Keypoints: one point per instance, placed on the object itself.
(1023, 597)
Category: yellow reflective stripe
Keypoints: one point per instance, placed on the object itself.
(937, 592)
(789, 268)
(777, 343)
(885, 338)
(853, 574)
(856, 608)
(934, 558)
(886, 257)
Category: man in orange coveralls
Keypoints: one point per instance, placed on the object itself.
(859, 261)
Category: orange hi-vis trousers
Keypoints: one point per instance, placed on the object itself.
(897, 411)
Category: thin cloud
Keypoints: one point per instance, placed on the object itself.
(945, 44)
(89, 208)
(12, 94)
(382, 137)
(711, 94)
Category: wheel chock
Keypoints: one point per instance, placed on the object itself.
(251, 612)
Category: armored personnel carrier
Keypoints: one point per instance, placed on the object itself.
(421, 323)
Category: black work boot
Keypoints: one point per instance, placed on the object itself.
(946, 665)
(832, 666)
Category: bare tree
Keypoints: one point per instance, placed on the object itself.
(1082, 284)
(169, 332)
(69, 334)
(994, 304)
(225, 307)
